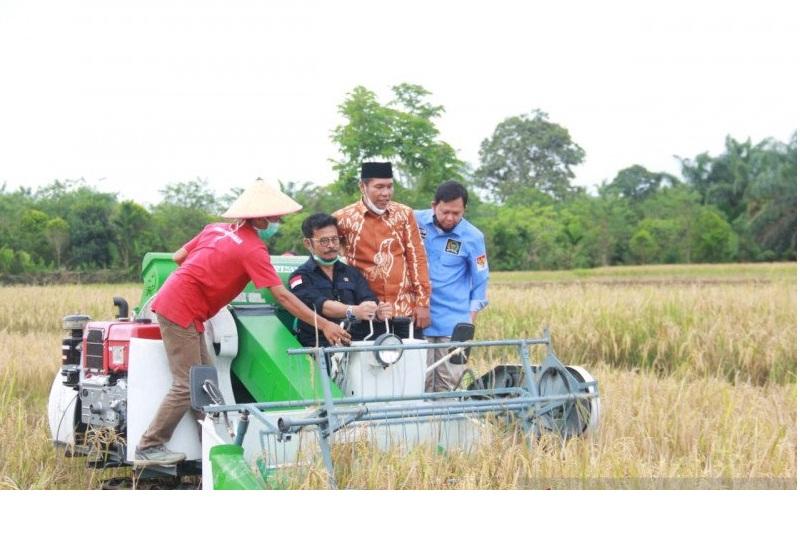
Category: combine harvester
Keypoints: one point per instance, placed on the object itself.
(272, 404)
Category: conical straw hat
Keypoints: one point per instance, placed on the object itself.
(261, 200)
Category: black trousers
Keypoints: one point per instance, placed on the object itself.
(398, 328)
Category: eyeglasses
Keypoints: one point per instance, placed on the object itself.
(327, 241)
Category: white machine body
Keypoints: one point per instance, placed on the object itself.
(362, 377)
(149, 380)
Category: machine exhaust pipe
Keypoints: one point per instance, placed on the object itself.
(122, 307)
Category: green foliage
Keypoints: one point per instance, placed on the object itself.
(184, 210)
(175, 225)
(132, 226)
(87, 213)
(289, 239)
(195, 195)
(678, 229)
(636, 183)
(771, 216)
(33, 224)
(402, 131)
(57, 234)
(316, 199)
(755, 188)
(525, 238)
(15, 262)
(91, 233)
(667, 234)
(528, 152)
(712, 239)
(6, 260)
(12, 205)
(644, 247)
(598, 229)
(722, 181)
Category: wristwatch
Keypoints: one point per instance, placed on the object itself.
(349, 313)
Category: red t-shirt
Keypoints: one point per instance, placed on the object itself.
(217, 269)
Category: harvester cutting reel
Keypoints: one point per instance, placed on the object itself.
(388, 403)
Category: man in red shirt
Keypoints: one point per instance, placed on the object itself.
(214, 267)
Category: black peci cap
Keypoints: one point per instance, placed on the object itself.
(376, 170)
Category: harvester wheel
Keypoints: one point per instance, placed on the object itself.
(500, 377)
(568, 418)
(591, 407)
(468, 381)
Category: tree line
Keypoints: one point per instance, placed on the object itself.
(739, 205)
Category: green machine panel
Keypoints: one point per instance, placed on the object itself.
(263, 366)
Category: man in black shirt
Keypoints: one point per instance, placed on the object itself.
(336, 290)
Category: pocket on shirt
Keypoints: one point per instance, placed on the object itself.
(452, 260)
(346, 285)
(346, 291)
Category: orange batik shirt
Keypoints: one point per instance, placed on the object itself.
(388, 250)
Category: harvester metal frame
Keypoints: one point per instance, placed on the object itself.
(375, 393)
(334, 414)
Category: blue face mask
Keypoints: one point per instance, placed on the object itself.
(269, 231)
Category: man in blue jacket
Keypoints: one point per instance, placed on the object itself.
(459, 274)
(332, 288)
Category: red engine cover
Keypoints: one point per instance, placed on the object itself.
(106, 344)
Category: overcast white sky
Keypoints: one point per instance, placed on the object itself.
(131, 96)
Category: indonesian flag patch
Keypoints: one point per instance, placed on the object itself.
(295, 281)
(481, 262)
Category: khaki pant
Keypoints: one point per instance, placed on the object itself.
(185, 348)
(446, 376)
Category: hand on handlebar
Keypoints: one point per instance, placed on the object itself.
(335, 333)
(369, 310)
(365, 310)
(384, 311)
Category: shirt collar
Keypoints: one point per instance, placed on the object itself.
(244, 228)
(310, 264)
(426, 216)
(454, 231)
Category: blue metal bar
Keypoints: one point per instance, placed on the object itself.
(324, 432)
(417, 415)
(355, 400)
(253, 410)
(241, 428)
(528, 371)
(418, 346)
(413, 411)
(327, 458)
(432, 413)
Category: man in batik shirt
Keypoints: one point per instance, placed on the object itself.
(382, 240)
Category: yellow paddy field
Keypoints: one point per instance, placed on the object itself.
(697, 367)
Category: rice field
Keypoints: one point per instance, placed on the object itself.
(697, 368)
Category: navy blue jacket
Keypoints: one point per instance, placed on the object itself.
(310, 284)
